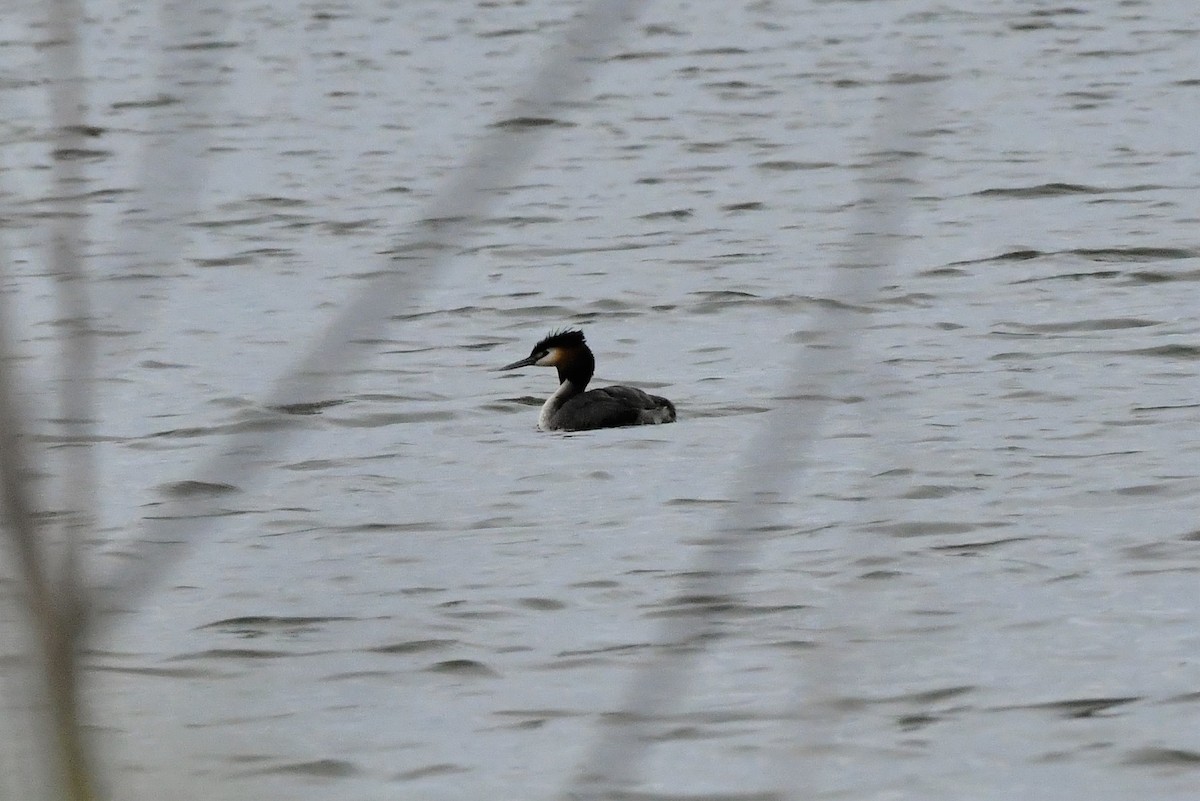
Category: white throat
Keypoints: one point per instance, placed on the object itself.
(565, 390)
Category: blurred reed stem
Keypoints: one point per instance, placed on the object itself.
(55, 597)
(52, 606)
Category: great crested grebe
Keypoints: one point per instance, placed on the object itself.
(572, 409)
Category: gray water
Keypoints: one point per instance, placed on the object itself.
(982, 586)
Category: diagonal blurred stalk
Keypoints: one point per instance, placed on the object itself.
(448, 221)
(775, 458)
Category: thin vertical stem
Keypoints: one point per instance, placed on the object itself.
(51, 612)
(56, 596)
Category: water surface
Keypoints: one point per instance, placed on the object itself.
(983, 586)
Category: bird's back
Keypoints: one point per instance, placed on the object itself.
(613, 407)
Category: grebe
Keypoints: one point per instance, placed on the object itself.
(572, 409)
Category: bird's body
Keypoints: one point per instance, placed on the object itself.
(571, 408)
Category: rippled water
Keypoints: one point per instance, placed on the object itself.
(982, 587)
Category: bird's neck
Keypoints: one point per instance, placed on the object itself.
(577, 370)
(566, 390)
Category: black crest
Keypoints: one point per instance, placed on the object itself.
(560, 339)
